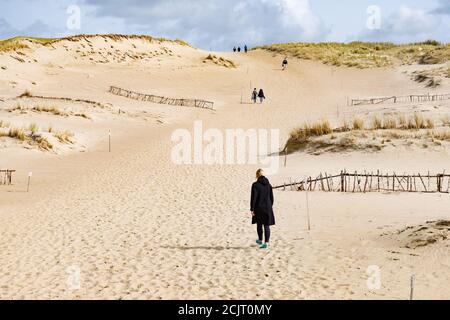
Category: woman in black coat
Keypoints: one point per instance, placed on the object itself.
(261, 206)
(261, 95)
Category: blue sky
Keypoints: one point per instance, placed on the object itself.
(218, 25)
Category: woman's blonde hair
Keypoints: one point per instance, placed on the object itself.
(259, 173)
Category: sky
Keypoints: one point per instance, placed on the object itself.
(220, 25)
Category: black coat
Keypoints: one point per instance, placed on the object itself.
(261, 94)
(261, 202)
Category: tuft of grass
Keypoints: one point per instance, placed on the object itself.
(389, 123)
(377, 124)
(220, 61)
(43, 143)
(26, 94)
(17, 133)
(17, 107)
(4, 124)
(316, 129)
(358, 124)
(33, 128)
(64, 136)
(418, 122)
(53, 110)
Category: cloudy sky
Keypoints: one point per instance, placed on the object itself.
(219, 25)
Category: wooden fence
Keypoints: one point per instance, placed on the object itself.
(6, 177)
(401, 99)
(162, 100)
(372, 182)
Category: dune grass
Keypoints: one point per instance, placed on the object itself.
(13, 44)
(220, 61)
(18, 43)
(30, 134)
(303, 135)
(64, 136)
(365, 54)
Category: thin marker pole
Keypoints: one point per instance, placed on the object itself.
(285, 156)
(29, 180)
(109, 141)
(413, 284)
(307, 211)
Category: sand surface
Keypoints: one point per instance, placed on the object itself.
(134, 225)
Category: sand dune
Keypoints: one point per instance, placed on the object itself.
(136, 226)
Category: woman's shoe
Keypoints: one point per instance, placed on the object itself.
(259, 242)
(264, 246)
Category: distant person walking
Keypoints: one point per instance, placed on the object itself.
(261, 96)
(254, 95)
(261, 204)
(245, 49)
(239, 49)
(234, 49)
(284, 64)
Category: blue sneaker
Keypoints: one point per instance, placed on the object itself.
(259, 242)
(264, 246)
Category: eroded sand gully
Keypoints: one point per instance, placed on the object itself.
(137, 226)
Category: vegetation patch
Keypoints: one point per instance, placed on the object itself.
(374, 135)
(365, 54)
(220, 61)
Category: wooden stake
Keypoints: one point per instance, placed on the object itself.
(413, 284)
(285, 156)
(29, 180)
(307, 211)
(109, 141)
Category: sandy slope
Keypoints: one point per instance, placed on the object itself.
(140, 227)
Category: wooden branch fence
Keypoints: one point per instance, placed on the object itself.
(372, 182)
(196, 103)
(6, 177)
(401, 99)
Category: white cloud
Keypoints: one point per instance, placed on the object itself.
(406, 25)
(219, 24)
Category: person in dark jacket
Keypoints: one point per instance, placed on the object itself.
(254, 95)
(239, 49)
(284, 64)
(261, 206)
(246, 49)
(261, 95)
(234, 49)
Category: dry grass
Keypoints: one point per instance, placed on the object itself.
(377, 124)
(358, 124)
(19, 43)
(52, 109)
(220, 61)
(33, 128)
(365, 54)
(315, 129)
(30, 135)
(26, 94)
(13, 44)
(4, 124)
(339, 139)
(17, 133)
(43, 143)
(390, 123)
(17, 107)
(64, 136)
(82, 115)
